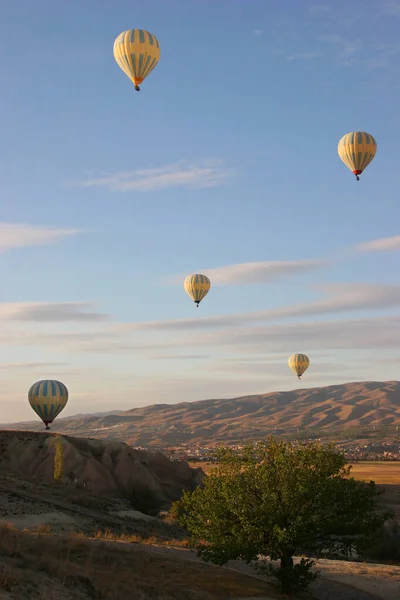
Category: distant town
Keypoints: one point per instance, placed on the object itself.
(375, 450)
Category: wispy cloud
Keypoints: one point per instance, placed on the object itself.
(248, 341)
(392, 8)
(319, 8)
(258, 31)
(261, 272)
(341, 298)
(207, 173)
(327, 335)
(50, 312)
(388, 49)
(376, 63)
(303, 56)
(348, 298)
(382, 245)
(13, 235)
(383, 55)
(180, 356)
(350, 334)
(24, 366)
(62, 340)
(269, 357)
(280, 367)
(344, 46)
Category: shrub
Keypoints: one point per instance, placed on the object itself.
(383, 546)
(58, 459)
(145, 501)
(291, 578)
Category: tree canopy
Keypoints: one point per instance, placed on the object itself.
(278, 499)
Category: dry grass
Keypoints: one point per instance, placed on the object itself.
(206, 466)
(7, 581)
(134, 538)
(45, 566)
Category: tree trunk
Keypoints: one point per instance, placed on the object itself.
(286, 573)
(286, 561)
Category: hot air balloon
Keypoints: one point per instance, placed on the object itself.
(197, 287)
(137, 52)
(48, 398)
(299, 363)
(357, 149)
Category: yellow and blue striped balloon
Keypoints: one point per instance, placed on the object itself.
(137, 52)
(299, 363)
(197, 287)
(357, 149)
(48, 398)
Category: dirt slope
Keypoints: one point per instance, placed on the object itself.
(52, 566)
(47, 567)
(66, 568)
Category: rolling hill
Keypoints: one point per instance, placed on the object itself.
(209, 422)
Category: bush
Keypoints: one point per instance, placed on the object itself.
(292, 578)
(384, 546)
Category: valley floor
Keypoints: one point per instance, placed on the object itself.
(49, 552)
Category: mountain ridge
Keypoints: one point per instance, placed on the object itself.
(245, 418)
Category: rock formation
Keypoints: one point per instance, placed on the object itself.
(104, 468)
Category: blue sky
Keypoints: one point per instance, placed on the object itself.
(225, 163)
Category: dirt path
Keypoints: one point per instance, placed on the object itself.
(343, 580)
(327, 589)
(381, 580)
(340, 580)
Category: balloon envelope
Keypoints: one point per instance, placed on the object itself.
(197, 287)
(137, 52)
(357, 149)
(48, 398)
(299, 363)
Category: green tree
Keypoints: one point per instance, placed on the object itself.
(279, 499)
(58, 459)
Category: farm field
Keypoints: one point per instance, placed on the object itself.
(382, 472)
